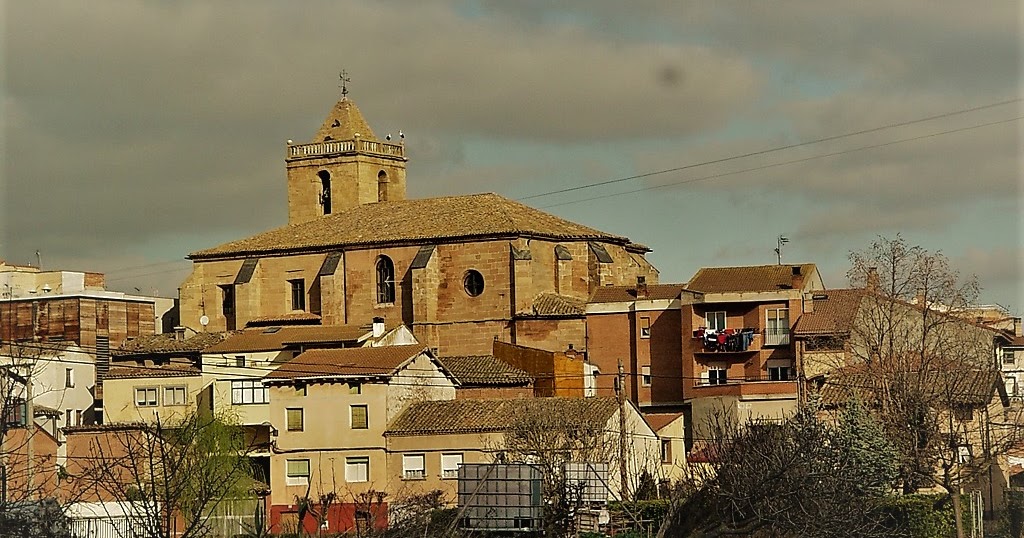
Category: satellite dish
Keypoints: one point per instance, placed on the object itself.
(204, 321)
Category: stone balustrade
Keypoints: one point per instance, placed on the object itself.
(337, 147)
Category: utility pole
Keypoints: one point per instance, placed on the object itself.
(30, 423)
(623, 471)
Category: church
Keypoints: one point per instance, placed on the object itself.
(460, 271)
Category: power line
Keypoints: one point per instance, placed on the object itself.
(775, 149)
(784, 163)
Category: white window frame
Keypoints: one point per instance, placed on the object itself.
(645, 327)
(296, 479)
(69, 378)
(354, 465)
(172, 391)
(147, 402)
(709, 316)
(715, 374)
(645, 376)
(414, 467)
(1008, 354)
(249, 392)
(776, 333)
(450, 465)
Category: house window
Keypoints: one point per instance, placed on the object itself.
(450, 465)
(1008, 357)
(473, 282)
(645, 376)
(666, 451)
(715, 320)
(69, 378)
(779, 373)
(145, 397)
(297, 472)
(645, 327)
(385, 280)
(1011, 386)
(300, 390)
(69, 417)
(78, 417)
(412, 467)
(249, 392)
(776, 329)
(240, 361)
(294, 419)
(357, 469)
(358, 415)
(227, 300)
(174, 395)
(298, 287)
(717, 375)
(355, 388)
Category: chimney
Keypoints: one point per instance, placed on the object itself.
(798, 278)
(641, 287)
(873, 283)
(808, 303)
(378, 327)
(179, 333)
(1017, 328)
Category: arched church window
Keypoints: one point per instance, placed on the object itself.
(325, 190)
(385, 280)
(382, 186)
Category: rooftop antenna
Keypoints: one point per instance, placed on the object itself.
(343, 77)
(39, 261)
(778, 250)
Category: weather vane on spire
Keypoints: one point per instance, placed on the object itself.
(343, 77)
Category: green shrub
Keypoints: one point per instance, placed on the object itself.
(923, 516)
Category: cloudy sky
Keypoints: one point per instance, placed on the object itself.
(137, 132)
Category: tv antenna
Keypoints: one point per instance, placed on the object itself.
(778, 250)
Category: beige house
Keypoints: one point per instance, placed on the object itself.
(429, 440)
(329, 409)
(671, 431)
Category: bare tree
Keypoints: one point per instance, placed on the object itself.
(551, 438)
(170, 476)
(925, 364)
(803, 477)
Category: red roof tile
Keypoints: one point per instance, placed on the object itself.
(755, 278)
(834, 313)
(494, 415)
(348, 362)
(278, 338)
(620, 294)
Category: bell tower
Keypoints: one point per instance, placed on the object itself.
(345, 165)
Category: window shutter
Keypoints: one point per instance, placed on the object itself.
(359, 419)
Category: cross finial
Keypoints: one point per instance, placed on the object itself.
(343, 77)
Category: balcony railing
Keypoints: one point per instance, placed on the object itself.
(334, 147)
(787, 376)
(776, 337)
(413, 474)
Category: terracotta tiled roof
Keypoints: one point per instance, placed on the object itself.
(278, 338)
(552, 304)
(413, 221)
(349, 362)
(166, 370)
(343, 122)
(834, 313)
(960, 386)
(284, 319)
(484, 371)
(155, 344)
(621, 294)
(473, 416)
(658, 421)
(755, 278)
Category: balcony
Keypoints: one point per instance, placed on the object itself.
(341, 147)
(745, 386)
(776, 337)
